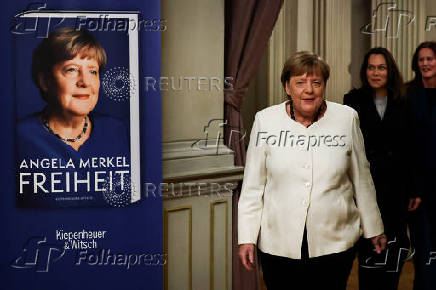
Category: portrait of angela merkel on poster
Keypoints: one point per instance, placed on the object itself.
(68, 155)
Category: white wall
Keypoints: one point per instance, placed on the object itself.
(360, 43)
(431, 11)
(192, 46)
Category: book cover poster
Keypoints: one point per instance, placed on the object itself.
(72, 216)
(77, 108)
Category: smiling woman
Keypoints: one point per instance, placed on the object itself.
(66, 68)
(422, 94)
(305, 206)
(305, 88)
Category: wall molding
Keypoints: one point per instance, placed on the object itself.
(213, 204)
(167, 211)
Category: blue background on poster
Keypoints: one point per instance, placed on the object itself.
(131, 231)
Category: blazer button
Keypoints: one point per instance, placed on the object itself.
(307, 184)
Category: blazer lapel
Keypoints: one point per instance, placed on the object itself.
(373, 115)
(390, 109)
(420, 105)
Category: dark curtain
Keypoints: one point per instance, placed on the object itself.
(248, 26)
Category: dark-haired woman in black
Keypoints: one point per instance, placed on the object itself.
(383, 113)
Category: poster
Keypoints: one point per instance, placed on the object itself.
(105, 169)
(73, 217)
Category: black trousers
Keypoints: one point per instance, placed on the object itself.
(382, 271)
(422, 232)
(329, 272)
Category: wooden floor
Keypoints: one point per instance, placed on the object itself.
(406, 279)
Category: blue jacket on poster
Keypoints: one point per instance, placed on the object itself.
(53, 174)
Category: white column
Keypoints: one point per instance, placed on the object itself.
(286, 38)
(399, 26)
(332, 41)
(276, 55)
(305, 25)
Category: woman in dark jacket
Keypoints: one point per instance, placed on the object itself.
(422, 94)
(382, 110)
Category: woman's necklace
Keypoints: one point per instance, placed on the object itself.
(315, 118)
(85, 127)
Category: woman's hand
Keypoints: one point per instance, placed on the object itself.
(414, 203)
(246, 254)
(379, 243)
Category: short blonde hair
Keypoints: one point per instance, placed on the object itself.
(61, 45)
(304, 62)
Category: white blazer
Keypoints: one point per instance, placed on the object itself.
(316, 177)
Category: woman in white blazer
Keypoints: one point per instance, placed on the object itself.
(307, 194)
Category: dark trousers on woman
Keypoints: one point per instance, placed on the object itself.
(382, 271)
(425, 249)
(329, 272)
